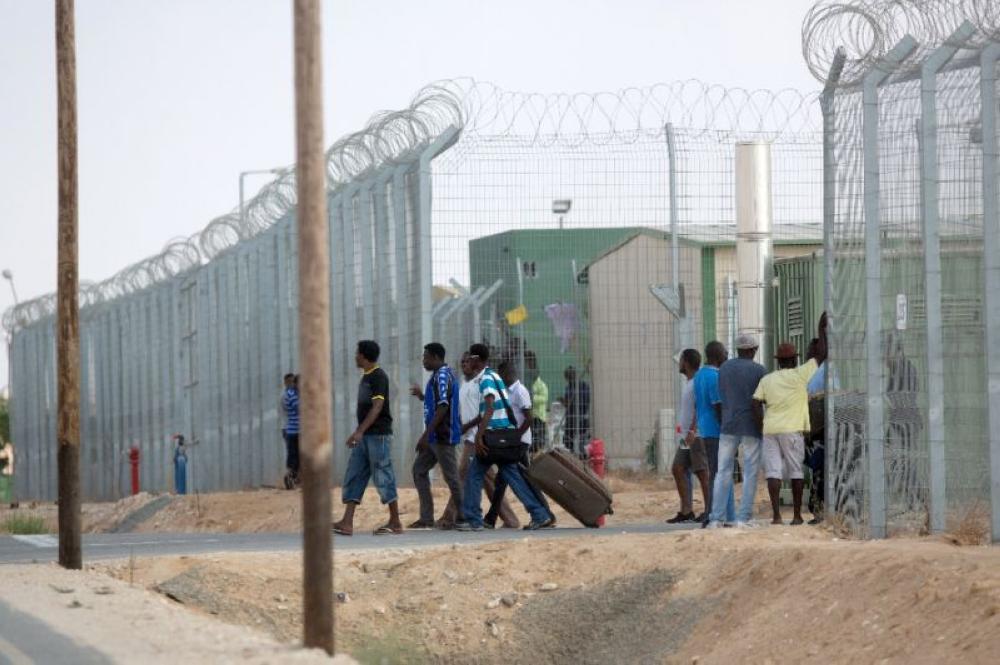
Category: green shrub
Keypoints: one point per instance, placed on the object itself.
(25, 525)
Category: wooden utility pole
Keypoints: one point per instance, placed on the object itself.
(314, 330)
(67, 308)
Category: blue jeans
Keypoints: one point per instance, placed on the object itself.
(728, 445)
(370, 459)
(472, 511)
(712, 450)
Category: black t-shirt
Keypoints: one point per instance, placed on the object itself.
(375, 385)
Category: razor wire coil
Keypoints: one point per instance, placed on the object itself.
(477, 109)
(868, 29)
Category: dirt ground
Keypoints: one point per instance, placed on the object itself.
(637, 499)
(764, 596)
(129, 624)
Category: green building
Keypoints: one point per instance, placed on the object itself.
(539, 269)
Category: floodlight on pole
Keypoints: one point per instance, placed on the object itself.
(561, 207)
(9, 276)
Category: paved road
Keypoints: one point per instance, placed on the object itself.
(31, 549)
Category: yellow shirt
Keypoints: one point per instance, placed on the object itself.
(540, 400)
(784, 394)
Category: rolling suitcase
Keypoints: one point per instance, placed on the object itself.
(573, 486)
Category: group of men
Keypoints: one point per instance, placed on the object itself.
(728, 404)
(725, 405)
(460, 422)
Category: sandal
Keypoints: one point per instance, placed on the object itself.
(386, 530)
(341, 531)
(420, 524)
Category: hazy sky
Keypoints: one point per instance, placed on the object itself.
(177, 97)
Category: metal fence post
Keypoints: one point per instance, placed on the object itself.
(828, 106)
(932, 269)
(875, 426)
(383, 255)
(350, 310)
(991, 270)
(365, 224)
(341, 410)
(426, 272)
(675, 257)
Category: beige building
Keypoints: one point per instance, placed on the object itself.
(633, 374)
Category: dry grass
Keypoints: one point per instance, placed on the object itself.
(972, 526)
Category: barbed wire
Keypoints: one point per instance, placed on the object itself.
(628, 113)
(477, 109)
(868, 29)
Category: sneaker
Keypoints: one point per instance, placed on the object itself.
(703, 518)
(535, 526)
(466, 526)
(814, 521)
(489, 525)
(713, 525)
(745, 525)
(680, 518)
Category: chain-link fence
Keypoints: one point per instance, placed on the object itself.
(592, 232)
(912, 255)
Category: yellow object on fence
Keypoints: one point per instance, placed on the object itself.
(517, 315)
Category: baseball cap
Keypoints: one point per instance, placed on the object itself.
(746, 341)
(786, 351)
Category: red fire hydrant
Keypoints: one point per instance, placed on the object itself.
(596, 459)
(133, 460)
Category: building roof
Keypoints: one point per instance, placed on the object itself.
(720, 235)
(708, 235)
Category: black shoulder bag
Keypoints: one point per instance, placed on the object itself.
(503, 445)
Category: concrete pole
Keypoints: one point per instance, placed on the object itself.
(314, 330)
(68, 310)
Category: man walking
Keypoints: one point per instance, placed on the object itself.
(520, 403)
(494, 415)
(708, 406)
(690, 457)
(438, 445)
(786, 418)
(469, 404)
(290, 432)
(738, 380)
(371, 445)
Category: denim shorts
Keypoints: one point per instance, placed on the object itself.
(370, 460)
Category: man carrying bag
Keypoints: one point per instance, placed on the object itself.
(498, 442)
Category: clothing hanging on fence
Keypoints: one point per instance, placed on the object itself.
(564, 321)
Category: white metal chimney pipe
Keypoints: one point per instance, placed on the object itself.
(754, 245)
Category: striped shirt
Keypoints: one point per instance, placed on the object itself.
(490, 384)
(291, 404)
